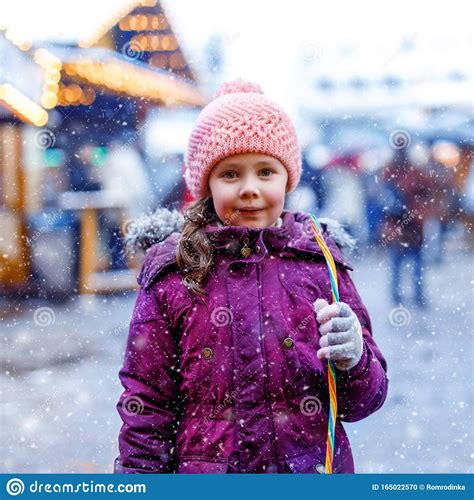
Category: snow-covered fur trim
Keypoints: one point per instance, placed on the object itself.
(149, 229)
(339, 234)
(153, 228)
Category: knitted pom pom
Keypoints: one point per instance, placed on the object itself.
(238, 86)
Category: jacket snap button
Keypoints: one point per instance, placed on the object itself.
(288, 343)
(207, 353)
(320, 469)
(257, 249)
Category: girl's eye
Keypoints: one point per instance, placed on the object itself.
(229, 174)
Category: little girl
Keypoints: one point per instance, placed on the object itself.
(227, 357)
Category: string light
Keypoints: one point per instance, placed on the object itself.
(110, 23)
(52, 75)
(142, 22)
(18, 40)
(22, 106)
(133, 80)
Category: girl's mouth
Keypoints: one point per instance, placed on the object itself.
(250, 212)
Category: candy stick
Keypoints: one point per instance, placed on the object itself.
(318, 234)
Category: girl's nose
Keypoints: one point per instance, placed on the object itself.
(249, 189)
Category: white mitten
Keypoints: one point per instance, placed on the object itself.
(341, 334)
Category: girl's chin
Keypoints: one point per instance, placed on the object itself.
(236, 217)
(255, 222)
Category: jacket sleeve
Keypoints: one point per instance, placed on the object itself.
(149, 406)
(363, 389)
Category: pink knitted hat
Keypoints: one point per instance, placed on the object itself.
(240, 119)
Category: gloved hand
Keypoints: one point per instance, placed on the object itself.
(341, 334)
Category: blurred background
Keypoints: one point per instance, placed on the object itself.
(97, 100)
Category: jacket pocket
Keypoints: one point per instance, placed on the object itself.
(307, 463)
(195, 465)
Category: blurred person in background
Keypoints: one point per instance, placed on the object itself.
(374, 209)
(407, 193)
(445, 204)
(371, 165)
(467, 203)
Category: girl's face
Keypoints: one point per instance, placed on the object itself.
(248, 180)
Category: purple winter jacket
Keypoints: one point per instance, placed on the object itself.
(232, 383)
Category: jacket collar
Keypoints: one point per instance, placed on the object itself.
(295, 236)
(230, 239)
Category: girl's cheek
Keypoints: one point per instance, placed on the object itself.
(226, 197)
(223, 206)
(222, 201)
(276, 196)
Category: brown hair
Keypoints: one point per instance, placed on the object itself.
(195, 252)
